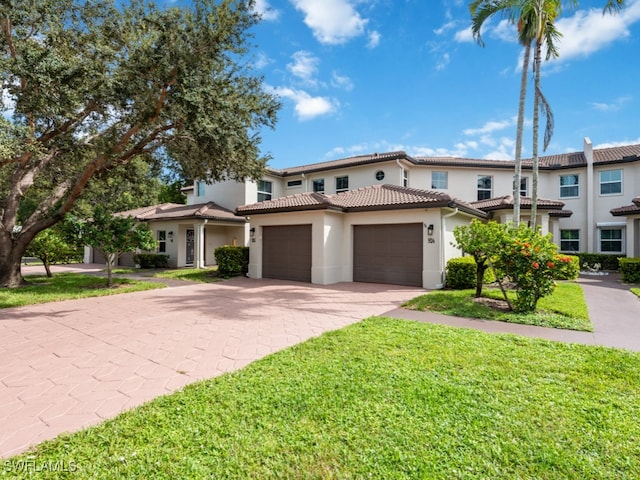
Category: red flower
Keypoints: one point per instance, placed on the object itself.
(550, 264)
(535, 265)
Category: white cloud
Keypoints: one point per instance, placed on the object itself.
(464, 36)
(445, 28)
(490, 127)
(262, 60)
(622, 143)
(589, 31)
(444, 61)
(332, 21)
(306, 106)
(341, 81)
(374, 39)
(614, 106)
(304, 67)
(263, 8)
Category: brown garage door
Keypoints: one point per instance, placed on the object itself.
(388, 254)
(286, 252)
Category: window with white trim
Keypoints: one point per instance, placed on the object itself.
(524, 187)
(265, 189)
(405, 177)
(569, 186)
(294, 183)
(439, 180)
(342, 184)
(570, 240)
(611, 240)
(318, 185)
(611, 182)
(161, 238)
(485, 183)
(201, 187)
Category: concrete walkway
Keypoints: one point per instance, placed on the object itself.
(68, 365)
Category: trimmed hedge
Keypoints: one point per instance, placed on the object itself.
(151, 260)
(461, 273)
(630, 269)
(232, 260)
(606, 261)
(567, 267)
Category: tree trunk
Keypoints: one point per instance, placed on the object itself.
(11, 251)
(519, 135)
(537, 63)
(47, 268)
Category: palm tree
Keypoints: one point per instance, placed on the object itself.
(535, 20)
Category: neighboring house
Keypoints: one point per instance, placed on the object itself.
(589, 201)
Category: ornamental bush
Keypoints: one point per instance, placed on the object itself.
(567, 267)
(232, 260)
(630, 269)
(461, 273)
(151, 260)
(528, 259)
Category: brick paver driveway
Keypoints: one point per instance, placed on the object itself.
(71, 364)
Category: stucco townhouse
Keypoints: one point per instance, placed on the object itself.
(389, 217)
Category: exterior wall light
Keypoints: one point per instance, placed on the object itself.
(430, 230)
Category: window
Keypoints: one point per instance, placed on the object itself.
(379, 175)
(611, 240)
(264, 190)
(294, 183)
(318, 185)
(484, 187)
(570, 240)
(439, 180)
(611, 182)
(569, 186)
(524, 186)
(405, 178)
(201, 186)
(342, 184)
(161, 237)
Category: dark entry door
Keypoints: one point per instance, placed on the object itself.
(190, 247)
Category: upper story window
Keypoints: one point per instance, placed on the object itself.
(485, 183)
(318, 185)
(342, 184)
(524, 187)
(569, 186)
(294, 183)
(200, 188)
(439, 180)
(379, 175)
(569, 240)
(161, 237)
(405, 177)
(265, 189)
(611, 240)
(610, 182)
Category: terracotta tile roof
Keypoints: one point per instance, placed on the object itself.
(175, 211)
(633, 209)
(560, 213)
(506, 202)
(372, 198)
(343, 162)
(627, 153)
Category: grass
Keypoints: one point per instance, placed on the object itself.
(636, 291)
(67, 286)
(202, 275)
(383, 398)
(565, 308)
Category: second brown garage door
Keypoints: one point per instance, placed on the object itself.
(286, 252)
(388, 254)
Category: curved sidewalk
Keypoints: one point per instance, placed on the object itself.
(613, 309)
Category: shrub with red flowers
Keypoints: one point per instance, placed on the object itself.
(527, 259)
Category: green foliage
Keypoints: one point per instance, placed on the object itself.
(114, 235)
(605, 260)
(528, 259)
(151, 260)
(482, 241)
(630, 269)
(567, 267)
(232, 260)
(51, 248)
(461, 273)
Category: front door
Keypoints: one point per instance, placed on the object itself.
(190, 247)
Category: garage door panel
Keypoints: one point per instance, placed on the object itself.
(388, 254)
(286, 252)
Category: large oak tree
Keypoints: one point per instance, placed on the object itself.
(88, 86)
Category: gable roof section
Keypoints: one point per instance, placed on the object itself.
(507, 202)
(372, 198)
(627, 210)
(176, 211)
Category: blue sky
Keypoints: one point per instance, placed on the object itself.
(365, 76)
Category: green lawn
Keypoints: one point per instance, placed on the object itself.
(67, 286)
(203, 275)
(636, 291)
(565, 308)
(388, 399)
